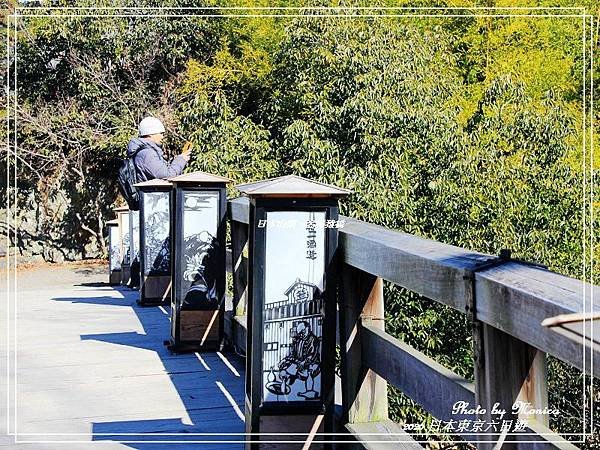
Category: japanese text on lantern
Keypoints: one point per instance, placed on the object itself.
(311, 234)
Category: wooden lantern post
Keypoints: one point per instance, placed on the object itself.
(154, 217)
(114, 252)
(198, 227)
(123, 218)
(290, 353)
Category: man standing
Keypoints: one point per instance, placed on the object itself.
(147, 155)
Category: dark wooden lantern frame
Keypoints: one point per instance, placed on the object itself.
(125, 266)
(144, 300)
(114, 276)
(186, 183)
(132, 247)
(260, 205)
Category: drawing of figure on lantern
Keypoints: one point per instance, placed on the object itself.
(302, 362)
(126, 249)
(200, 272)
(160, 264)
(135, 238)
(292, 347)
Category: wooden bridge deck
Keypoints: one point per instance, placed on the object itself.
(91, 366)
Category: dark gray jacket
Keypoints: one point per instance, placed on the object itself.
(149, 160)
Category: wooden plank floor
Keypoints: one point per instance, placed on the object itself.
(91, 366)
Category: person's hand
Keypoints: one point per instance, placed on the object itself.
(187, 150)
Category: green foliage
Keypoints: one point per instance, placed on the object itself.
(510, 186)
(84, 84)
(226, 143)
(345, 111)
(210, 100)
(129, 50)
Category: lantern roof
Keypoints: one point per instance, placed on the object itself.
(199, 177)
(291, 186)
(121, 209)
(156, 182)
(112, 222)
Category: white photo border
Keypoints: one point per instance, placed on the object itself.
(283, 12)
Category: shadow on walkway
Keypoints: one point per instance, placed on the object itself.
(210, 386)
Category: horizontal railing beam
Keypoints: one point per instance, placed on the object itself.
(427, 267)
(431, 385)
(540, 437)
(513, 297)
(238, 209)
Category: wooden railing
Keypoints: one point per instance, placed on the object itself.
(507, 301)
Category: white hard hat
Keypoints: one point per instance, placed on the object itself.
(150, 125)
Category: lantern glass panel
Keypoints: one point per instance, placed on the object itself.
(199, 254)
(293, 309)
(134, 227)
(156, 232)
(126, 243)
(115, 249)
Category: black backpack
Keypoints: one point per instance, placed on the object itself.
(126, 179)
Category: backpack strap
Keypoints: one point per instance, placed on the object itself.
(139, 149)
(135, 167)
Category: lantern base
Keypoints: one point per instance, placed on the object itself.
(307, 425)
(198, 331)
(150, 302)
(125, 274)
(114, 278)
(155, 290)
(192, 347)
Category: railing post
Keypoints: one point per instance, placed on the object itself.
(507, 370)
(239, 242)
(364, 393)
